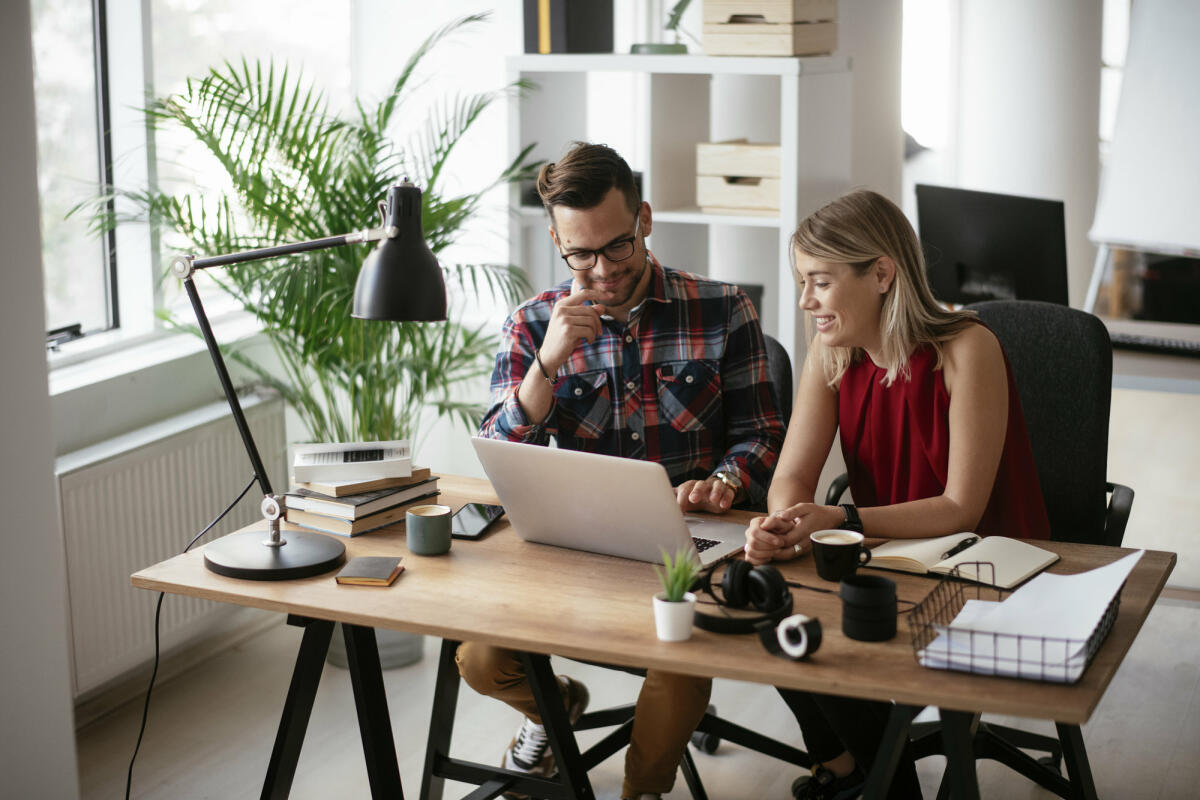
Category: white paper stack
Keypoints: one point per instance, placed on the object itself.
(1040, 632)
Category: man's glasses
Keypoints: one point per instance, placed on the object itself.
(582, 260)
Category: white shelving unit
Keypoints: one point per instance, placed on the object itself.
(664, 106)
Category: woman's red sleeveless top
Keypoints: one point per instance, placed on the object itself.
(896, 442)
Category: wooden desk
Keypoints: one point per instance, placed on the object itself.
(543, 600)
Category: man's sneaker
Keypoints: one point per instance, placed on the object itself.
(529, 751)
(824, 785)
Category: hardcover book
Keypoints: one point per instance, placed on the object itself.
(1014, 560)
(342, 461)
(357, 506)
(370, 571)
(360, 485)
(346, 527)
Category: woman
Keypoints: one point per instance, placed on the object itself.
(931, 429)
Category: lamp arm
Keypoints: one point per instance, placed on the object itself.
(272, 505)
(192, 264)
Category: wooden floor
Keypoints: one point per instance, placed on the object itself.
(210, 730)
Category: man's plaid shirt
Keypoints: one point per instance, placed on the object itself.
(683, 383)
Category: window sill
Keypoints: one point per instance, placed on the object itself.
(103, 357)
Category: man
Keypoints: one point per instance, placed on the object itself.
(628, 358)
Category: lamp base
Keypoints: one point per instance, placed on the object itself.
(245, 555)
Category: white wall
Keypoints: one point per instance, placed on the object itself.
(37, 752)
(1029, 109)
(471, 61)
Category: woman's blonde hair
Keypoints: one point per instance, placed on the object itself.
(857, 229)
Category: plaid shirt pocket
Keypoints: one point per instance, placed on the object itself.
(583, 406)
(689, 394)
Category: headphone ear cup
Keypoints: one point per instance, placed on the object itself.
(767, 588)
(734, 584)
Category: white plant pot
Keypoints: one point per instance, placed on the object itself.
(673, 621)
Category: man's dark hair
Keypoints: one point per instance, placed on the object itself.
(583, 177)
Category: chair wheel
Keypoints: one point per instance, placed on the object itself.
(705, 742)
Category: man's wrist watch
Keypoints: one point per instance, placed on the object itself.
(853, 521)
(730, 480)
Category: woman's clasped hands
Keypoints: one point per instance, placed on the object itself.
(783, 535)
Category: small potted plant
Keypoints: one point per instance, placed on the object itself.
(675, 606)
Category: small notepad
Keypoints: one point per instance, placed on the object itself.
(370, 571)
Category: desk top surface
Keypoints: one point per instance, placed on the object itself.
(544, 599)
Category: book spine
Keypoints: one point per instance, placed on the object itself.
(394, 468)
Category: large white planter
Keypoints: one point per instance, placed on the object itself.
(673, 621)
(396, 648)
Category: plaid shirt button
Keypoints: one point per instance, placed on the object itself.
(635, 436)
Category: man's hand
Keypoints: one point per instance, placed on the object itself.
(570, 322)
(706, 495)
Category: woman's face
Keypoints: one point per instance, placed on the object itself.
(844, 306)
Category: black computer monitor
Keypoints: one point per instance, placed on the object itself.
(984, 246)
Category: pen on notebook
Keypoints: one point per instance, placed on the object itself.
(958, 548)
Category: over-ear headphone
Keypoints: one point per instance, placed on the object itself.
(742, 586)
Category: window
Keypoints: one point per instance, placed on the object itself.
(77, 276)
(78, 84)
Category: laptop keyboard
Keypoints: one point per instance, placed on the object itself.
(703, 544)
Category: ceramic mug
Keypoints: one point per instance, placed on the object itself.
(838, 553)
(427, 530)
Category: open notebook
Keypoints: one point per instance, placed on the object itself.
(1014, 560)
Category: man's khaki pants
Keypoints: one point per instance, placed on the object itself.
(668, 709)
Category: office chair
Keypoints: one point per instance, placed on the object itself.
(1061, 360)
(712, 728)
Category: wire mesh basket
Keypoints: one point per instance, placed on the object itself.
(943, 636)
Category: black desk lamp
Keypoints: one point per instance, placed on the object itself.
(400, 281)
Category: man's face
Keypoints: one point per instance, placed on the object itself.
(620, 284)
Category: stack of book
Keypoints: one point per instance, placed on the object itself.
(349, 489)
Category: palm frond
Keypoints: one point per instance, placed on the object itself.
(297, 172)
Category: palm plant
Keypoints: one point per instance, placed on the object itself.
(296, 171)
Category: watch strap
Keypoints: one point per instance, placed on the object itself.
(853, 521)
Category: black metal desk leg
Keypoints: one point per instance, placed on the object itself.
(957, 739)
(558, 728)
(306, 676)
(895, 739)
(441, 722)
(1078, 767)
(374, 724)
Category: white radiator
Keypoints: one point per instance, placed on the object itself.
(138, 499)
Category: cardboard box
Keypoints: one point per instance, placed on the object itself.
(738, 177)
(779, 12)
(770, 39)
(737, 157)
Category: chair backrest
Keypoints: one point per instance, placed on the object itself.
(779, 370)
(1061, 359)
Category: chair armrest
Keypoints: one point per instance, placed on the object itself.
(837, 489)
(1119, 503)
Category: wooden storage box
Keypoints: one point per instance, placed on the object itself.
(770, 27)
(737, 177)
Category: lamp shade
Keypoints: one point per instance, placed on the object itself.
(400, 280)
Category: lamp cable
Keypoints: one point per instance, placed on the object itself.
(157, 618)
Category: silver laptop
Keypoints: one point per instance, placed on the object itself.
(602, 504)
